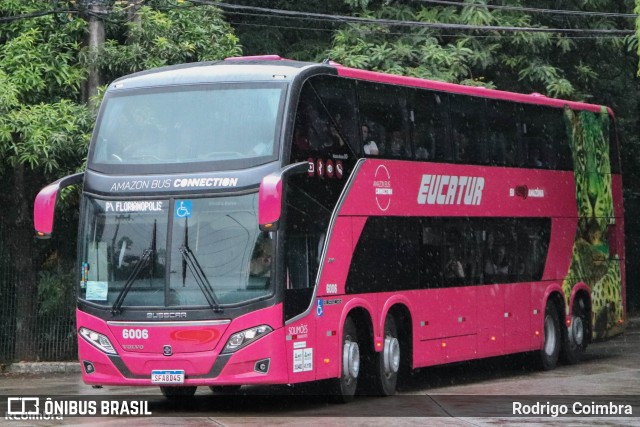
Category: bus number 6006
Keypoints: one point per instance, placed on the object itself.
(135, 334)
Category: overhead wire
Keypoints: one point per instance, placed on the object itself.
(342, 19)
(390, 22)
(394, 33)
(532, 9)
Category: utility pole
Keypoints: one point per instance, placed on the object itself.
(96, 40)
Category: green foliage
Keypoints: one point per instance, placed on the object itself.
(521, 61)
(42, 124)
(164, 32)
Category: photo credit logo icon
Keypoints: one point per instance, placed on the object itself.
(23, 406)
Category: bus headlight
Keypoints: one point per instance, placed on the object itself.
(246, 337)
(97, 340)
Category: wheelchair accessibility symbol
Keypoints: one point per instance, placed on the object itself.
(319, 310)
(183, 209)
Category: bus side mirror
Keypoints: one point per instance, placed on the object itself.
(44, 207)
(270, 195)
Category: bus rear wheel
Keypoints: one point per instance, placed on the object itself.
(552, 338)
(388, 360)
(178, 392)
(344, 388)
(577, 334)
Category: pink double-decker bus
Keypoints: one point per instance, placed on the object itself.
(266, 221)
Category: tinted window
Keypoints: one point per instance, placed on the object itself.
(383, 110)
(305, 225)
(338, 99)
(411, 253)
(545, 144)
(501, 133)
(205, 127)
(467, 121)
(429, 120)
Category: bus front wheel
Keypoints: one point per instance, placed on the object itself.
(343, 389)
(552, 338)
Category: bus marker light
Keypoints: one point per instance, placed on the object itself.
(569, 322)
(327, 361)
(331, 333)
(493, 338)
(537, 333)
(444, 344)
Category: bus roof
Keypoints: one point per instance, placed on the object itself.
(244, 69)
(533, 98)
(274, 68)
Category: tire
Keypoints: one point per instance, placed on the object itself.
(344, 388)
(576, 337)
(388, 360)
(225, 389)
(550, 350)
(178, 392)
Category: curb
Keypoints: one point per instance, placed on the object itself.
(42, 368)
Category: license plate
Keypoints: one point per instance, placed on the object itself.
(167, 377)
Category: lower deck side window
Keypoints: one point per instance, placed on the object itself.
(399, 253)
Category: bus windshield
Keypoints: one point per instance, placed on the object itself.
(214, 256)
(231, 125)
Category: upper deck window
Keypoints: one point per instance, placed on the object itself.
(203, 127)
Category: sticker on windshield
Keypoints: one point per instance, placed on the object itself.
(183, 209)
(97, 291)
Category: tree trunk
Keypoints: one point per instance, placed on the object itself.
(95, 40)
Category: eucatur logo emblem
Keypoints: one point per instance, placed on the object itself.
(382, 187)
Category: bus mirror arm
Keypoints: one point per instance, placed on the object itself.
(45, 204)
(270, 195)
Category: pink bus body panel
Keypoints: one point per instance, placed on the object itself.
(193, 351)
(449, 324)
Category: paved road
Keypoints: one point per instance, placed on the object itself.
(450, 395)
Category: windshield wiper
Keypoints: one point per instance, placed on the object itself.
(190, 260)
(144, 261)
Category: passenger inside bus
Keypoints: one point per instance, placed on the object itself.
(260, 265)
(370, 146)
(453, 268)
(399, 147)
(497, 265)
